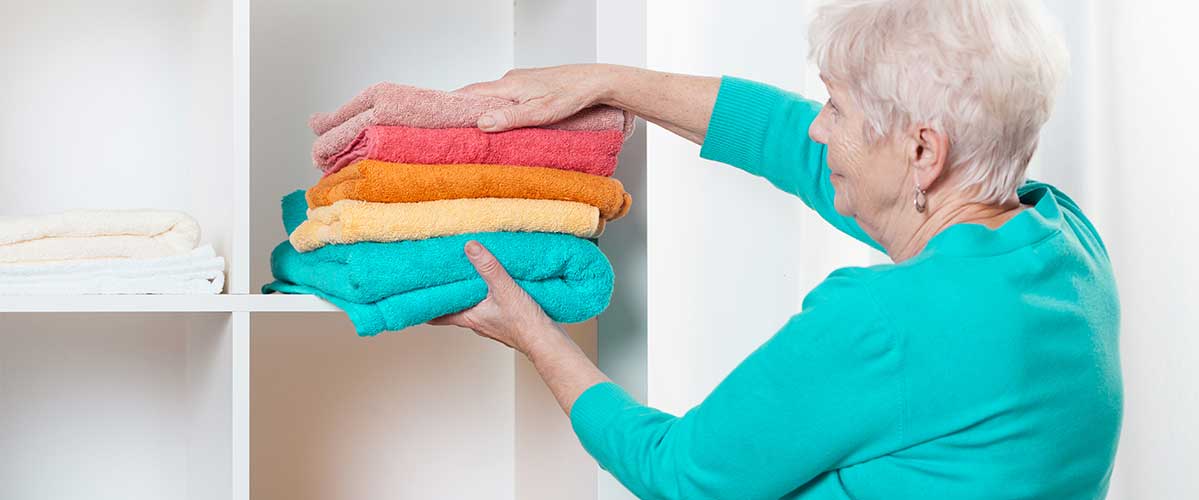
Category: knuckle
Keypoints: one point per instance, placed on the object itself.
(489, 265)
(528, 114)
(512, 115)
(540, 112)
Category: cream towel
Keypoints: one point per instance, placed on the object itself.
(353, 221)
(96, 234)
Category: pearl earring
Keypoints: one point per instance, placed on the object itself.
(921, 201)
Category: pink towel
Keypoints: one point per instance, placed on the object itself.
(587, 151)
(392, 104)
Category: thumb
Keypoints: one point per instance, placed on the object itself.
(529, 114)
(497, 278)
(455, 319)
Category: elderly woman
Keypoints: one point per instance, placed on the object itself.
(982, 363)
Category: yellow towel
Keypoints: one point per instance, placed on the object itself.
(353, 221)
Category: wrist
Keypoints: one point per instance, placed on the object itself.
(609, 81)
(545, 341)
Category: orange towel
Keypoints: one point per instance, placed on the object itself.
(382, 182)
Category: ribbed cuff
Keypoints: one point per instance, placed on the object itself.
(737, 130)
(594, 410)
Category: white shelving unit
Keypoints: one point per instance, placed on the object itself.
(164, 303)
(201, 106)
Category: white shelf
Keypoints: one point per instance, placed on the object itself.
(284, 303)
(136, 104)
(164, 303)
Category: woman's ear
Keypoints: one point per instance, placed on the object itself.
(927, 152)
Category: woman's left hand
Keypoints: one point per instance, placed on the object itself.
(508, 314)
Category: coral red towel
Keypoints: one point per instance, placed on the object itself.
(591, 152)
(392, 104)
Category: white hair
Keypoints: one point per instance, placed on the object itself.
(984, 72)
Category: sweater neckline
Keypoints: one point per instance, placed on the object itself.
(1030, 226)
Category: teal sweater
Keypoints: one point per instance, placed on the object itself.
(985, 367)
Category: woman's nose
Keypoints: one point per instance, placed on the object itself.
(817, 130)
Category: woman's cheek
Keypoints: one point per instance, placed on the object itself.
(842, 189)
(845, 158)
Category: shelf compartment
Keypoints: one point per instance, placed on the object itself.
(410, 414)
(125, 104)
(118, 406)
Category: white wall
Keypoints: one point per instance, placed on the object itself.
(1152, 233)
(730, 256)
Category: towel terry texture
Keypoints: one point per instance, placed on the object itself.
(96, 234)
(592, 152)
(199, 271)
(392, 104)
(353, 221)
(391, 286)
(371, 180)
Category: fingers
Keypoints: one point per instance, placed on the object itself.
(454, 319)
(504, 88)
(528, 114)
(496, 88)
(497, 278)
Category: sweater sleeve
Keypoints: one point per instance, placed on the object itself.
(763, 130)
(823, 393)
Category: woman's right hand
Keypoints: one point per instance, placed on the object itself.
(679, 103)
(542, 95)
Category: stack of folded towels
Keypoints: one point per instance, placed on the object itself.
(106, 252)
(409, 179)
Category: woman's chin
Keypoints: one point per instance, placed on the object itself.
(841, 205)
(840, 198)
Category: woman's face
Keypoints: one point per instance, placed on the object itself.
(869, 179)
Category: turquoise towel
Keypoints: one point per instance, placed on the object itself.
(391, 286)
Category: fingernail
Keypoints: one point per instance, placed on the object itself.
(486, 121)
(473, 249)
